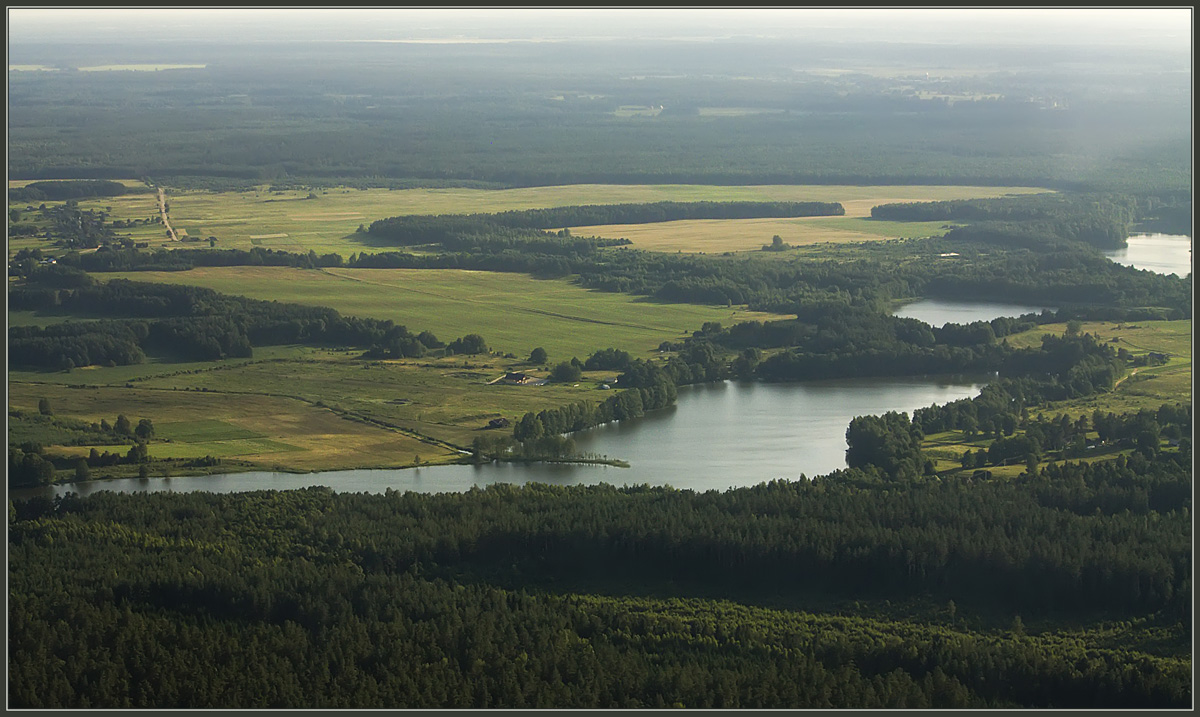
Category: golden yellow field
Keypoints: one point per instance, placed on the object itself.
(327, 223)
(722, 235)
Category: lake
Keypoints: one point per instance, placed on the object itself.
(938, 312)
(1160, 253)
(717, 436)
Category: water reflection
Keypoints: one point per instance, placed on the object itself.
(1160, 253)
(717, 436)
(938, 312)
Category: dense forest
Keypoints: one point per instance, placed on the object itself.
(470, 600)
(528, 114)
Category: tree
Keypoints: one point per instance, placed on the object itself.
(144, 430)
(565, 372)
(137, 453)
(529, 428)
(44, 407)
(469, 344)
(82, 472)
(538, 356)
(1017, 628)
(429, 340)
(890, 442)
(123, 426)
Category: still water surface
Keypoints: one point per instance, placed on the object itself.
(937, 312)
(716, 436)
(1160, 253)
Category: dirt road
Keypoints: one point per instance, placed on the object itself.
(162, 208)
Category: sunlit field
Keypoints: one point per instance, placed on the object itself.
(513, 312)
(270, 431)
(738, 235)
(327, 220)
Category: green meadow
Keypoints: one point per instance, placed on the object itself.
(256, 420)
(305, 409)
(515, 313)
(1144, 387)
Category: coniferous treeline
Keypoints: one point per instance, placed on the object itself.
(644, 386)
(653, 212)
(67, 189)
(1091, 285)
(1101, 220)
(137, 570)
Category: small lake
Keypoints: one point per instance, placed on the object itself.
(938, 312)
(717, 436)
(1160, 253)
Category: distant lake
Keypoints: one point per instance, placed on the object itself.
(717, 436)
(937, 312)
(1160, 253)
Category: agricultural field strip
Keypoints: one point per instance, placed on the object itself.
(347, 415)
(508, 307)
(192, 208)
(292, 429)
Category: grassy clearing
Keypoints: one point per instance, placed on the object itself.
(154, 366)
(513, 312)
(204, 431)
(328, 221)
(327, 409)
(271, 431)
(449, 399)
(139, 68)
(32, 318)
(131, 183)
(1142, 387)
(722, 235)
(1146, 387)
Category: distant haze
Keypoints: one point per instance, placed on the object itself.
(1168, 29)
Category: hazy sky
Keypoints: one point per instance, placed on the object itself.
(1167, 27)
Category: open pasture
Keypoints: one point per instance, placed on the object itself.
(269, 430)
(514, 313)
(153, 366)
(1141, 387)
(722, 235)
(448, 399)
(290, 220)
